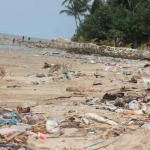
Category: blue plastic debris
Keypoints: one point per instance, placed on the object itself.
(11, 121)
(5, 145)
(9, 107)
(29, 148)
(14, 146)
(112, 108)
(10, 115)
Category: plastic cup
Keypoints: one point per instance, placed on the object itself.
(41, 136)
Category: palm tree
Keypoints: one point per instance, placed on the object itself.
(70, 1)
(76, 8)
(71, 11)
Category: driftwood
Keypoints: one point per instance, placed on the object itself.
(58, 98)
(79, 95)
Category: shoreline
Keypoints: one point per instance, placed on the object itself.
(85, 48)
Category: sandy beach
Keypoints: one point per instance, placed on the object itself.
(48, 95)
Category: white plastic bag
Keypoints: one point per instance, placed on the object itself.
(52, 127)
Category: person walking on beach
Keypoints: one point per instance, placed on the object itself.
(19, 41)
(13, 40)
(23, 38)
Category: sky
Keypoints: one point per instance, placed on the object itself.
(35, 18)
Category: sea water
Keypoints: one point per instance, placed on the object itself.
(14, 47)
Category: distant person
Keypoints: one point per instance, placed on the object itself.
(13, 40)
(28, 38)
(19, 41)
(23, 38)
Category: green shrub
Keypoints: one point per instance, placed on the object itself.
(128, 45)
(143, 47)
(81, 39)
(74, 38)
(93, 40)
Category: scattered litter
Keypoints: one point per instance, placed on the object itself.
(108, 98)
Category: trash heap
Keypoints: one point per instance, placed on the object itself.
(56, 72)
(60, 72)
(15, 124)
(20, 123)
(121, 103)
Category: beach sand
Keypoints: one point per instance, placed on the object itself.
(21, 67)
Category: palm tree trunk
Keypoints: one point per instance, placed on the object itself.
(76, 21)
(129, 2)
(79, 18)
